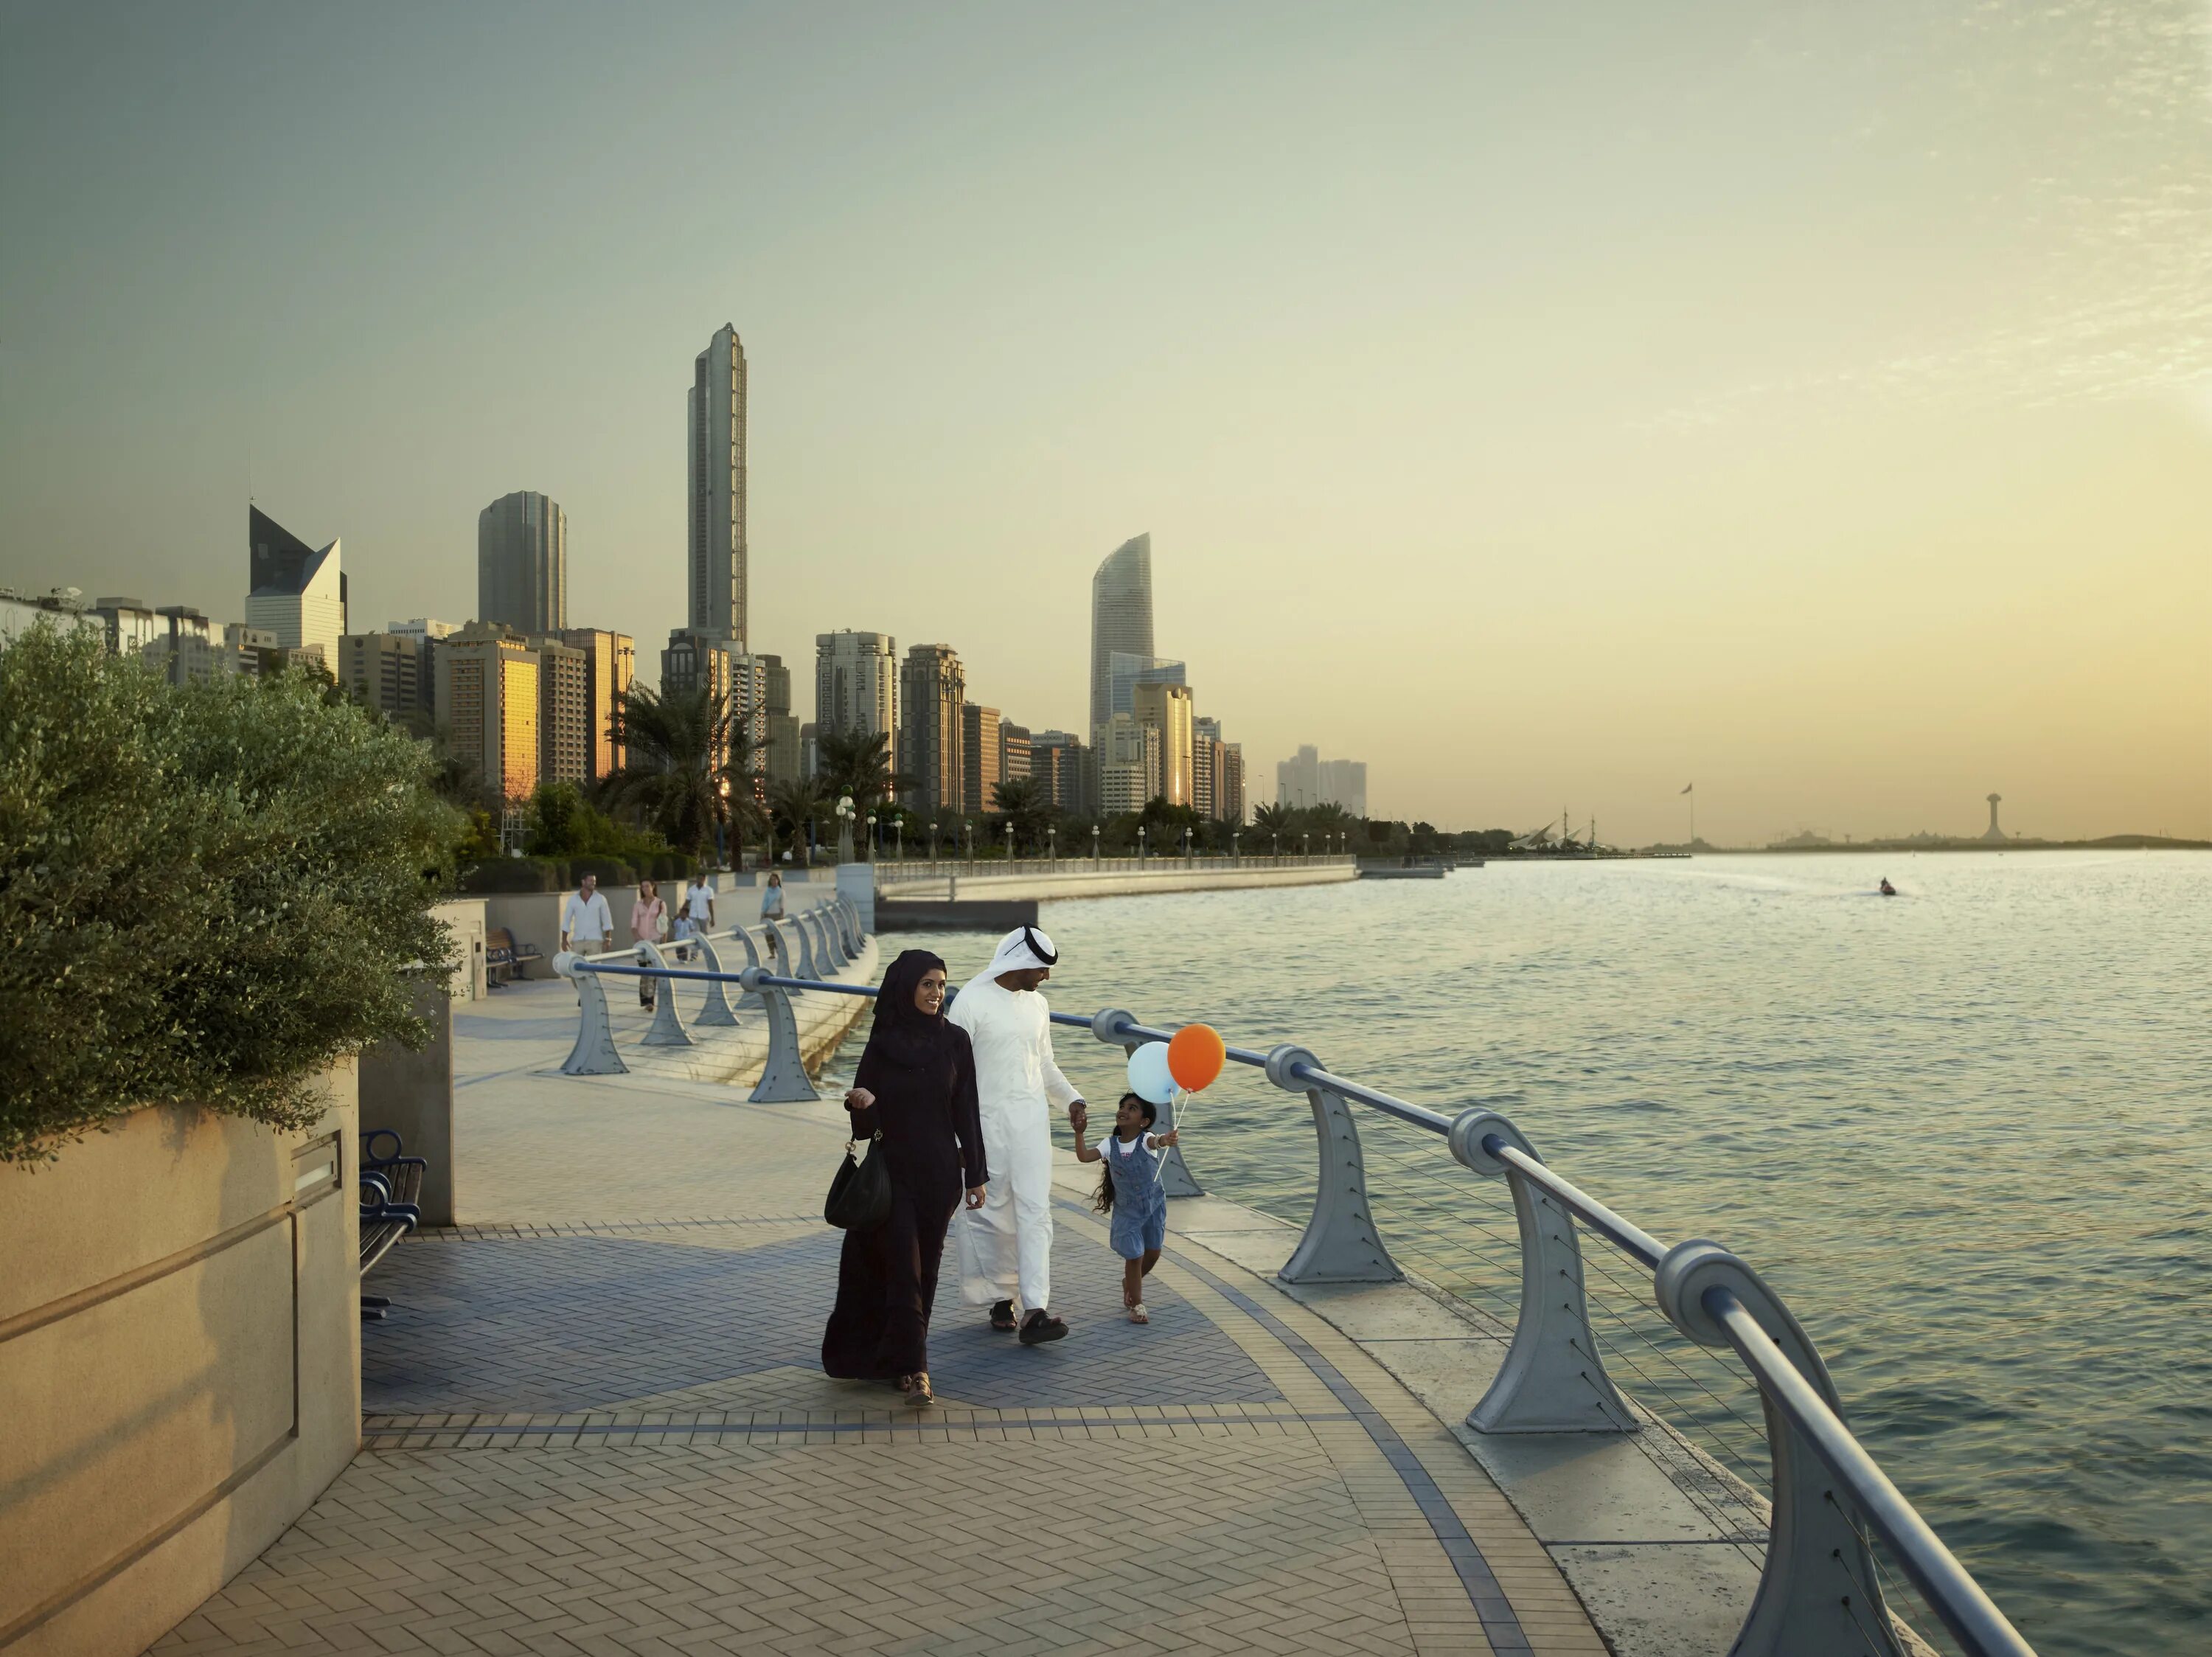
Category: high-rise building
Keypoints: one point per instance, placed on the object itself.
(1125, 672)
(1205, 767)
(733, 678)
(522, 564)
(1306, 779)
(1168, 707)
(564, 716)
(1129, 764)
(1344, 782)
(383, 671)
(297, 592)
(1059, 761)
(488, 699)
(932, 691)
(782, 724)
(716, 501)
(187, 649)
(979, 759)
(254, 650)
(856, 677)
(1231, 785)
(609, 670)
(1121, 618)
(1013, 751)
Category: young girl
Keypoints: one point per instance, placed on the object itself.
(1129, 1189)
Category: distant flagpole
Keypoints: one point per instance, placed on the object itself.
(1690, 790)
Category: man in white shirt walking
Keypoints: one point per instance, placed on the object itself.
(587, 922)
(1006, 1245)
(698, 908)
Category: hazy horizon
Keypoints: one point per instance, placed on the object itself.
(1550, 408)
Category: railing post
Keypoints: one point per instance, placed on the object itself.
(783, 1077)
(717, 1010)
(1818, 1596)
(1176, 1178)
(1553, 1381)
(668, 1029)
(1340, 1244)
(741, 934)
(594, 1053)
(833, 924)
(826, 957)
(853, 927)
(793, 958)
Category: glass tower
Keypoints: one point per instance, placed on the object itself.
(717, 494)
(1120, 619)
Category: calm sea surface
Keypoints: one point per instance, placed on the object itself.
(1965, 1132)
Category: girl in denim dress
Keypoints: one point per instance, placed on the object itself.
(1129, 1190)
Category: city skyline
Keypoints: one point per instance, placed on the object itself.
(1810, 436)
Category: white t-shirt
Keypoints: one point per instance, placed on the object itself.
(700, 898)
(582, 918)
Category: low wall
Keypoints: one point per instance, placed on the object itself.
(466, 918)
(1110, 882)
(179, 1365)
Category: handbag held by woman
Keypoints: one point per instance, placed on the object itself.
(860, 1192)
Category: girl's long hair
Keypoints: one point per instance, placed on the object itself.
(1103, 1201)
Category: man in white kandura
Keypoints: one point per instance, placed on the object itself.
(1006, 1245)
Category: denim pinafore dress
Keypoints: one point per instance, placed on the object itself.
(1140, 1202)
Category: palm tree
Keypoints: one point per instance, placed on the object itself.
(688, 765)
(792, 805)
(857, 763)
(1274, 821)
(1023, 802)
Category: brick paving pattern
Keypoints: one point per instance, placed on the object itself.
(596, 1424)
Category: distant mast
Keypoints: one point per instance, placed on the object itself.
(1994, 834)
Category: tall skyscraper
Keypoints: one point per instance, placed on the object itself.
(1059, 761)
(1168, 708)
(609, 669)
(488, 699)
(1205, 767)
(1129, 764)
(717, 496)
(1121, 618)
(979, 759)
(1344, 782)
(856, 678)
(932, 690)
(1013, 751)
(297, 592)
(522, 564)
(1231, 784)
(1125, 672)
(1307, 779)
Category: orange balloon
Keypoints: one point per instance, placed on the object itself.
(1195, 1056)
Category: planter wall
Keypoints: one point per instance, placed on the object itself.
(179, 1365)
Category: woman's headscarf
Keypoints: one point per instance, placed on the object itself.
(903, 1032)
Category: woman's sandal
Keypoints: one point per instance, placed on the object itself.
(916, 1388)
(1138, 1315)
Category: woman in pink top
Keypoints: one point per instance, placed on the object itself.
(648, 916)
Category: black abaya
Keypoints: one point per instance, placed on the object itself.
(922, 1073)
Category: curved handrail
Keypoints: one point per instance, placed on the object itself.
(1716, 1313)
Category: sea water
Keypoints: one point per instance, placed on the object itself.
(1965, 1132)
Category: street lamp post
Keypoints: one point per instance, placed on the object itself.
(1010, 841)
(1236, 843)
(870, 853)
(1305, 847)
(1052, 844)
(1094, 845)
(721, 823)
(968, 833)
(1140, 843)
(844, 828)
(899, 836)
(933, 839)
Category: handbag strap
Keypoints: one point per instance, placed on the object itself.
(874, 1140)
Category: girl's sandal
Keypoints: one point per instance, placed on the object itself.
(916, 1388)
(1138, 1315)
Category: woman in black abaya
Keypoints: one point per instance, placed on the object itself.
(915, 1086)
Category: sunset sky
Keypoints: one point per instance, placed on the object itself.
(1550, 406)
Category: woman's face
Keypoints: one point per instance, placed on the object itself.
(647, 891)
(929, 994)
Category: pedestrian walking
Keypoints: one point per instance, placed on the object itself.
(587, 922)
(648, 923)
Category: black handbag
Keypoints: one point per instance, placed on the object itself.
(860, 1192)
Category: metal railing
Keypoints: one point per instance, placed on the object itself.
(891, 870)
(1819, 1593)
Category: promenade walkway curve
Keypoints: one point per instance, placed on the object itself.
(596, 1424)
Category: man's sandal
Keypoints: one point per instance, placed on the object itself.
(1002, 1318)
(1040, 1327)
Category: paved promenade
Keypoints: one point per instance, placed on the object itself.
(596, 1424)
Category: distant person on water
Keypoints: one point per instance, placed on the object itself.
(916, 1087)
(1129, 1189)
(1005, 1246)
(1888, 890)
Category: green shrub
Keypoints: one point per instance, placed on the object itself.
(497, 875)
(207, 894)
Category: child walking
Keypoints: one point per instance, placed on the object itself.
(1129, 1189)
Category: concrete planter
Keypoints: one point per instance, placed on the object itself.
(179, 1365)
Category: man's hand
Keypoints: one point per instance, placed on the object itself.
(975, 1195)
(858, 1098)
(1079, 1116)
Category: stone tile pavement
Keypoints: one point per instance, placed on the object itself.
(596, 1424)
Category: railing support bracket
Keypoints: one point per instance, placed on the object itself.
(1818, 1596)
(783, 1078)
(594, 1053)
(1340, 1244)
